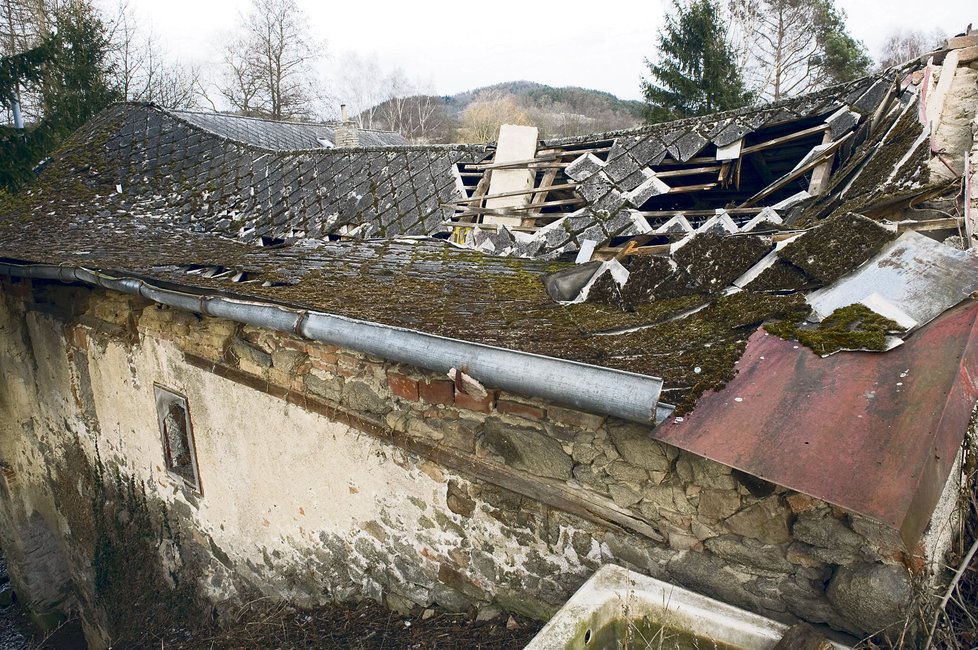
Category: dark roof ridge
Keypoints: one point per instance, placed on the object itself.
(366, 149)
(648, 129)
(236, 116)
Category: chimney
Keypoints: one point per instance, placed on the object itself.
(346, 132)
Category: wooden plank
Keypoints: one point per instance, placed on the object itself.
(458, 225)
(692, 161)
(761, 146)
(822, 173)
(520, 208)
(607, 252)
(546, 185)
(688, 172)
(697, 213)
(796, 174)
(533, 190)
(691, 188)
(556, 494)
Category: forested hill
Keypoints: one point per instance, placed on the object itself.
(475, 115)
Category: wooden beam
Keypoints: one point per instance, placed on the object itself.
(761, 146)
(608, 252)
(688, 172)
(540, 162)
(533, 190)
(691, 188)
(458, 225)
(470, 211)
(822, 173)
(797, 173)
(697, 213)
(546, 185)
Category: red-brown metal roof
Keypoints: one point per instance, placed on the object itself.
(874, 433)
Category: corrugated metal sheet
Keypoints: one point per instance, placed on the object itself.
(875, 434)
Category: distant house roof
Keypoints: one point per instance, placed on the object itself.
(282, 135)
(720, 223)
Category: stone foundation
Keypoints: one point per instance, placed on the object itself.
(327, 474)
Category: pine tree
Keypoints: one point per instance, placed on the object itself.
(695, 73)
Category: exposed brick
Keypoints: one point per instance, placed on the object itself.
(437, 392)
(403, 386)
(484, 405)
(520, 409)
(79, 337)
(802, 502)
(574, 418)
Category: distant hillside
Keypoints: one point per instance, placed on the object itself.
(475, 115)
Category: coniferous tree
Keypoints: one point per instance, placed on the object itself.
(695, 73)
(68, 71)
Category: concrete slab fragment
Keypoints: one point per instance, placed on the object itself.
(515, 143)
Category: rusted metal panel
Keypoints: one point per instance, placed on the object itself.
(875, 434)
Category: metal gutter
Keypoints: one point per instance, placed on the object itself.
(594, 389)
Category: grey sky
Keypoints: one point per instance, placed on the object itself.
(459, 46)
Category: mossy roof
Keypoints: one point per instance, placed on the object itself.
(141, 191)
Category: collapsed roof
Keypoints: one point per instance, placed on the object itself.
(658, 251)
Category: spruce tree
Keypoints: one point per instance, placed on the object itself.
(695, 73)
(68, 70)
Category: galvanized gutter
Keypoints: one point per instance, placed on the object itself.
(594, 389)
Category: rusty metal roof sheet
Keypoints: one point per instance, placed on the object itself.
(875, 434)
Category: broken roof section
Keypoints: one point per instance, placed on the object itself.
(721, 224)
(282, 135)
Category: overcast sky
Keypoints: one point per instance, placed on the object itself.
(458, 46)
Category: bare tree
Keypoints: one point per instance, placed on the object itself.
(143, 72)
(269, 64)
(362, 86)
(902, 45)
(483, 117)
(790, 47)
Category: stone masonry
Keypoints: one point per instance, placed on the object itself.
(531, 497)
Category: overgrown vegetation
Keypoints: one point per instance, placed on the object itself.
(946, 617)
(855, 327)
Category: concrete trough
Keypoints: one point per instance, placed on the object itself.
(618, 608)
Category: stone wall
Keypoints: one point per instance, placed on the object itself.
(330, 474)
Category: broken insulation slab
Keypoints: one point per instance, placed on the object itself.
(920, 277)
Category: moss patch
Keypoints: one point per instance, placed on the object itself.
(713, 261)
(855, 327)
(836, 247)
(782, 276)
(119, 532)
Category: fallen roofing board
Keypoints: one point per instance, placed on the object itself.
(875, 434)
(915, 274)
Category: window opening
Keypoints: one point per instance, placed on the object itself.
(177, 437)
